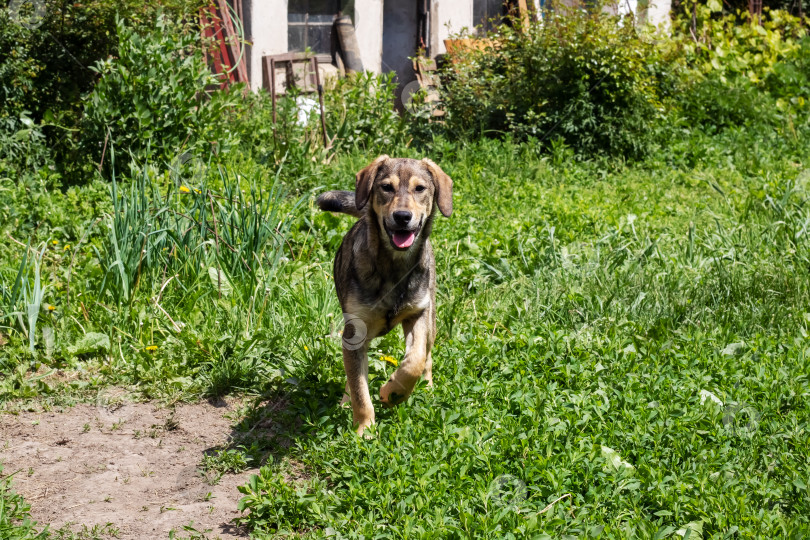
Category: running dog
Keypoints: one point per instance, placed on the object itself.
(385, 273)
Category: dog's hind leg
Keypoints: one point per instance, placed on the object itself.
(401, 383)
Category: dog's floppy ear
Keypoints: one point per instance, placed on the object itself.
(444, 187)
(365, 178)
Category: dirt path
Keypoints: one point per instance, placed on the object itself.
(82, 466)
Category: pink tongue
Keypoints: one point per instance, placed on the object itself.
(403, 239)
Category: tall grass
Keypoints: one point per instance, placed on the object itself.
(157, 233)
(24, 299)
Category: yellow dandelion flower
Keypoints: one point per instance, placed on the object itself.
(55, 242)
(390, 359)
(67, 247)
(151, 348)
(306, 348)
(184, 189)
(197, 190)
(51, 307)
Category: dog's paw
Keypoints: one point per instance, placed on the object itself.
(392, 393)
(366, 431)
(346, 402)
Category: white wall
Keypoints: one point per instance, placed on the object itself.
(658, 14)
(266, 29)
(368, 23)
(448, 17)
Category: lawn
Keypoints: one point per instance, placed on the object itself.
(623, 286)
(629, 342)
(622, 352)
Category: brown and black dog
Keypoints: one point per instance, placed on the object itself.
(385, 273)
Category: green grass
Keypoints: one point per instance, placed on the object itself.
(622, 348)
(587, 310)
(582, 306)
(15, 517)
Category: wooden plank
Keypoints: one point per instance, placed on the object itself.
(290, 56)
(523, 9)
(208, 30)
(232, 42)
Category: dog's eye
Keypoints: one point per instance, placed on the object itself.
(420, 189)
(388, 188)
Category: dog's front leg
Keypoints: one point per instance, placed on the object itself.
(402, 382)
(355, 363)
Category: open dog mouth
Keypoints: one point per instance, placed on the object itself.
(402, 239)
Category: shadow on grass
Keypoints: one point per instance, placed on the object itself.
(266, 428)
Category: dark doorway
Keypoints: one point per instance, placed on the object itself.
(400, 41)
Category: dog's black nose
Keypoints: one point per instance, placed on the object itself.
(402, 217)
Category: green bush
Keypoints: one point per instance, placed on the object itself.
(286, 144)
(790, 77)
(732, 45)
(714, 104)
(22, 145)
(360, 114)
(588, 78)
(740, 73)
(44, 69)
(152, 102)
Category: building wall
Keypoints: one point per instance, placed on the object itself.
(448, 17)
(368, 24)
(657, 13)
(266, 30)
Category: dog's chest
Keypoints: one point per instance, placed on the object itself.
(392, 304)
(406, 304)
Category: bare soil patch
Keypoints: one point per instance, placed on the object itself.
(135, 465)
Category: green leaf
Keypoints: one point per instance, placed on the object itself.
(220, 281)
(90, 343)
(615, 461)
(693, 530)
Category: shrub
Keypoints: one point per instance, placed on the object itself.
(588, 78)
(152, 102)
(731, 46)
(22, 144)
(740, 73)
(789, 79)
(286, 144)
(44, 65)
(360, 113)
(714, 104)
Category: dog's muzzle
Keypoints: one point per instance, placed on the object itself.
(403, 238)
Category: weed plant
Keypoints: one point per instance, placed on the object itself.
(15, 516)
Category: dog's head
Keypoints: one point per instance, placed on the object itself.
(403, 194)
